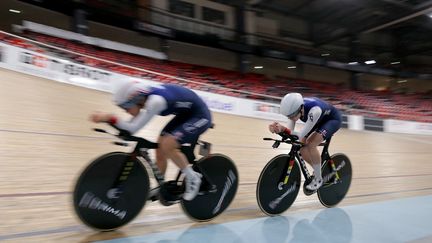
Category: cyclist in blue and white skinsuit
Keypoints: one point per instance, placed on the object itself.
(192, 118)
(321, 120)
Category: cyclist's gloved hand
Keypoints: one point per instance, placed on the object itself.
(98, 117)
(285, 133)
(276, 127)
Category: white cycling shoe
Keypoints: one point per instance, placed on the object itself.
(192, 187)
(315, 184)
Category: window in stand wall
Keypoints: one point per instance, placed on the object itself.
(213, 15)
(182, 8)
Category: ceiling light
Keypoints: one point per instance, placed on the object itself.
(14, 11)
(402, 81)
(352, 63)
(394, 63)
(292, 67)
(325, 54)
(370, 62)
(258, 67)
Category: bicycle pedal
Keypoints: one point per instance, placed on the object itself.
(203, 192)
(168, 203)
(212, 189)
(153, 198)
(173, 201)
(207, 189)
(309, 192)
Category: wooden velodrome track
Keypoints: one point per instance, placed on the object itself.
(46, 140)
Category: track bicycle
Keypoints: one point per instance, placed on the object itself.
(113, 189)
(279, 181)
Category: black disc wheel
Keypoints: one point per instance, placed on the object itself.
(219, 186)
(276, 193)
(336, 183)
(111, 191)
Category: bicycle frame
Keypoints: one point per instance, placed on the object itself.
(143, 154)
(295, 157)
(295, 150)
(281, 177)
(140, 152)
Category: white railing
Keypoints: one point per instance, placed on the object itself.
(204, 86)
(212, 86)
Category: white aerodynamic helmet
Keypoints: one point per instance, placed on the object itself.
(130, 93)
(291, 104)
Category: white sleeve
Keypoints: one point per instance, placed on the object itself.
(291, 125)
(313, 116)
(154, 105)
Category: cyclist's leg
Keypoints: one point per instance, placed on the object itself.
(311, 153)
(161, 159)
(161, 156)
(181, 131)
(323, 132)
(311, 147)
(320, 133)
(186, 132)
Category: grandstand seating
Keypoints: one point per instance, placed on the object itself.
(382, 104)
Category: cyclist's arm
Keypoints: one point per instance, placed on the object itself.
(291, 124)
(154, 105)
(313, 117)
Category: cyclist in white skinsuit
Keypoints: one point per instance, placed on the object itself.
(321, 120)
(192, 118)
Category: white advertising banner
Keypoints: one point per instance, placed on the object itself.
(4, 55)
(239, 106)
(65, 71)
(398, 126)
(41, 65)
(355, 122)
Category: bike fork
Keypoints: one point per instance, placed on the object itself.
(117, 187)
(290, 166)
(284, 180)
